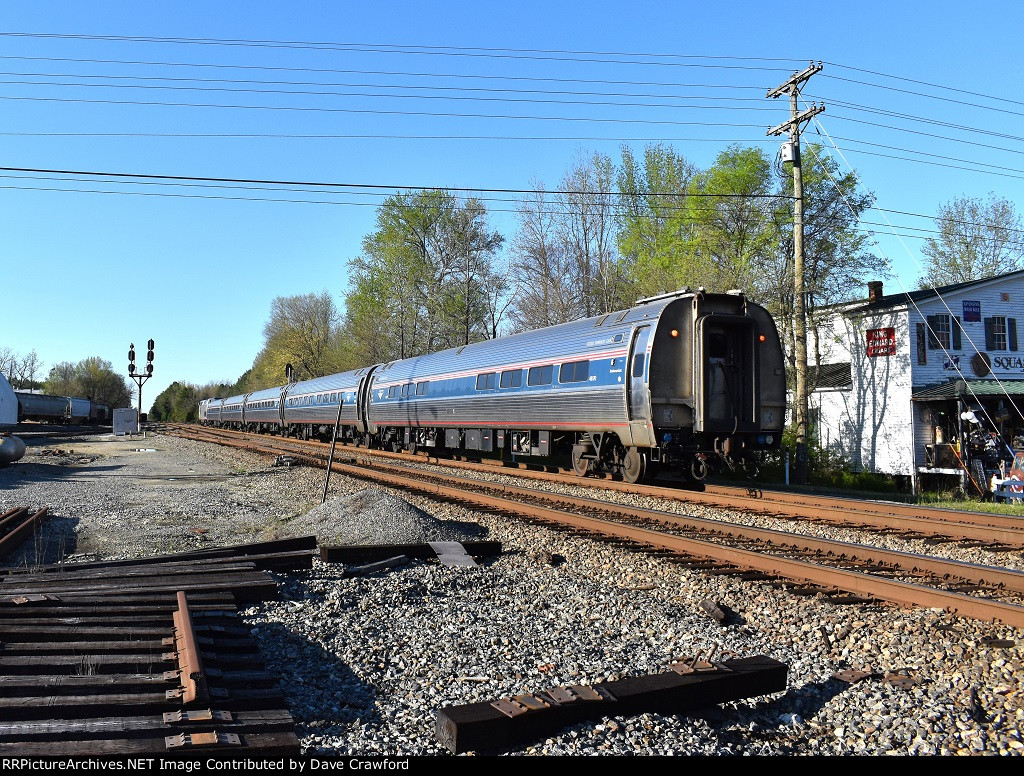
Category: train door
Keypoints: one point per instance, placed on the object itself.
(362, 392)
(639, 397)
(728, 368)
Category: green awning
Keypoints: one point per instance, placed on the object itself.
(955, 389)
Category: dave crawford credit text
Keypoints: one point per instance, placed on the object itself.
(295, 764)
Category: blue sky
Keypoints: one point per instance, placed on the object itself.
(85, 273)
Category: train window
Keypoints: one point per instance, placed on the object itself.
(334, 398)
(617, 338)
(574, 372)
(638, 364)
(421, 387)
(486, 381)
(405, 390)
(392, 391)
(540, 375)
(513, 378)
(601, 320)
(716, 345)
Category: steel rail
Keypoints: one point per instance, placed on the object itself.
(895, 591)
(20, 530)
(987, 528)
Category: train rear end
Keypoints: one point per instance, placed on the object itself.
(717, 383)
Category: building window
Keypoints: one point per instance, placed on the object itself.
(1000, 333)
(512, 378)
(486, 381)
(574, 372)
(539, 375)
(939, 332)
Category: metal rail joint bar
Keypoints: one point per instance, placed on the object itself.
(194, 688)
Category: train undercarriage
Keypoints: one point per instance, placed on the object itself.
(587, 453)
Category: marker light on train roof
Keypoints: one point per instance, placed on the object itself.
(760, 337)
(674, 332)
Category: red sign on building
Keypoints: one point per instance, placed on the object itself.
(881, 342)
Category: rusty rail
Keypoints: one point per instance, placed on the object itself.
(798, 570)
(18, 527)
(989, 528)
(194, 688)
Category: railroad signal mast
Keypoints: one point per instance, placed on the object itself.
(140, 375)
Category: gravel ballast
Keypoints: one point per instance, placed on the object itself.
(366, 661)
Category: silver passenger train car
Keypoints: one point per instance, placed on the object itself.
(674, 381)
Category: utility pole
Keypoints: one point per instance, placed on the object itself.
(792, 87)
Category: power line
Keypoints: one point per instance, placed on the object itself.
(474, 98)
(452, 51)
(333, 184)
(255, 81)
(400, 73)
(378, 112)
(926, 83)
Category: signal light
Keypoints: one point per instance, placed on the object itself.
(674, 332)
(760, 338)
(131, 369)
(149, 345)
(131, 354)
(149, 355)
(149, 369)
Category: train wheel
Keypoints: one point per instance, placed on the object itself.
(580, 465)
(634, 466)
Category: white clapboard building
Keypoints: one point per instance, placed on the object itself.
(898, 375)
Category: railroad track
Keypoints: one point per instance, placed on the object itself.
(840, 571)
(993, 532)
(143, 657)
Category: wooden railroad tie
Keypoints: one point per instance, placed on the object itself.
(691, 685)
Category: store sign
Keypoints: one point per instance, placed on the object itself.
(1009, 363)
(972, 310)
(881, 342)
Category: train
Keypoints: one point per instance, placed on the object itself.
(60, 409)
(680, 381)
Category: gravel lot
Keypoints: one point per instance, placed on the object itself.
(366, 661)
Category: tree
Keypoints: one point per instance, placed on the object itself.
(731, 233)
(302, 331)
(423, 280)
(977, 239)
(21, 371)
(587, 229)
(653, 222)
(178, 403)
(541, 292)
(92, 378)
